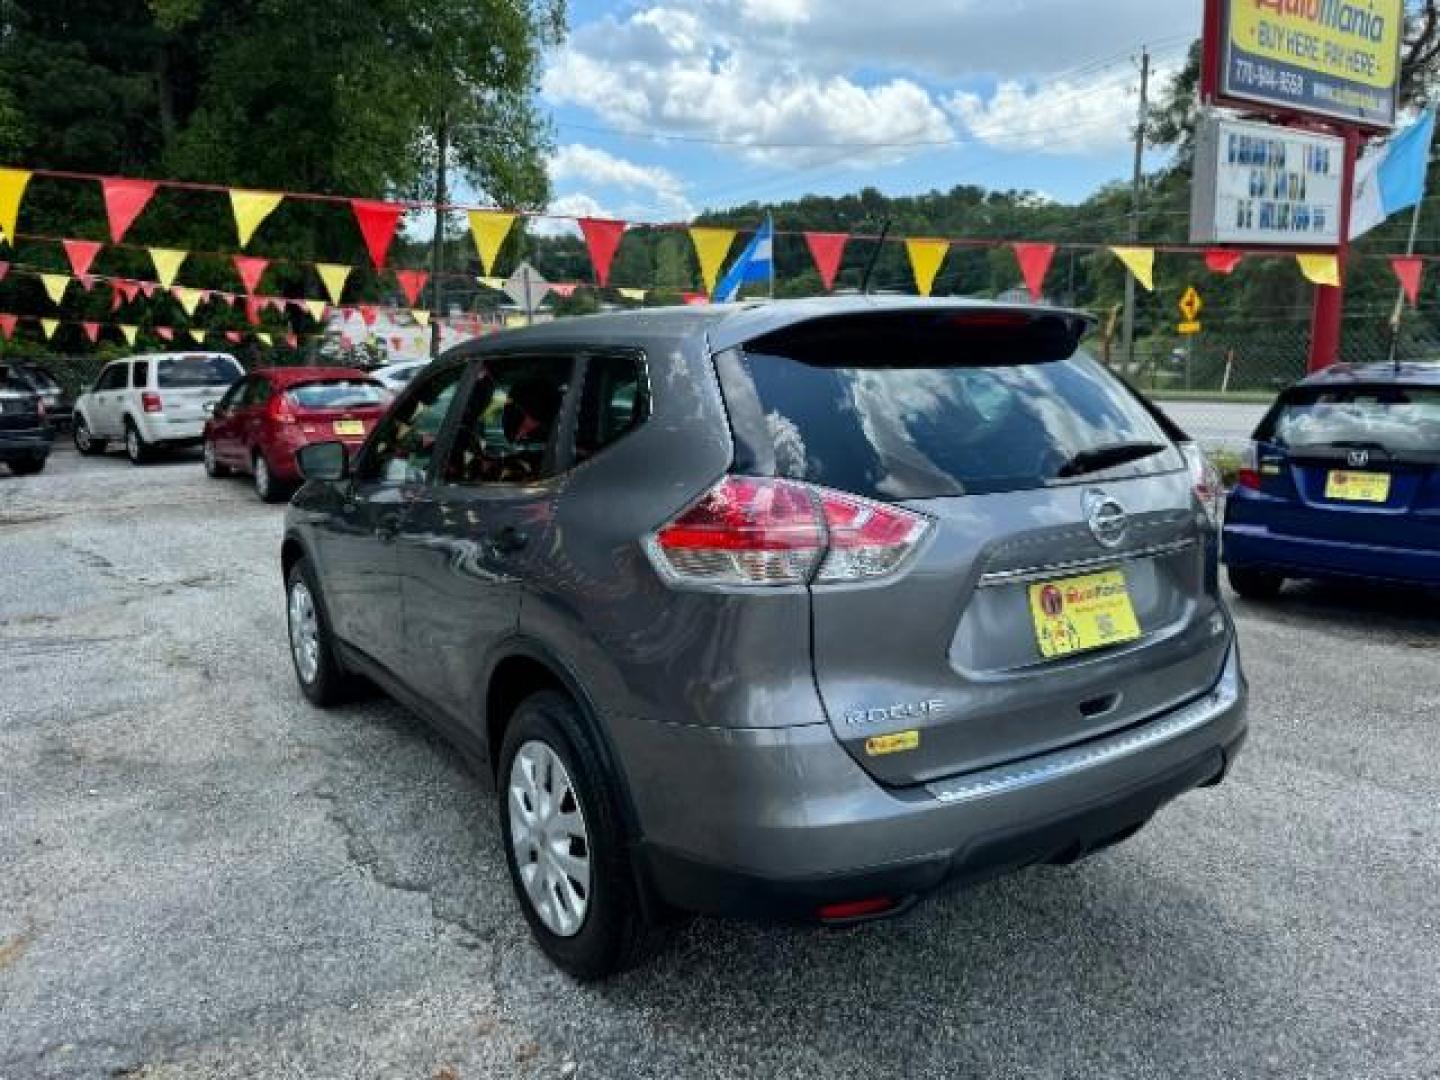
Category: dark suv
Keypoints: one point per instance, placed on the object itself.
(794, 610)
(25, 437)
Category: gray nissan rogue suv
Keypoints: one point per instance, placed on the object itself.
(793, 610)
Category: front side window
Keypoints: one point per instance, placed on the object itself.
(404, 442)
(614, 402)
(113, 377)
(234, 397)
(506, 434)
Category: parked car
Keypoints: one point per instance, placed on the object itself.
(25, 437)
(152, 403)
(792, 610)
(397, 376)
(59, 405)
(262, 421)
(1341, 480)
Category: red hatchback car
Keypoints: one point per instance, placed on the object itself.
(258, 426)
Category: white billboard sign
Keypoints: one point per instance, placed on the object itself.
(1261, 184)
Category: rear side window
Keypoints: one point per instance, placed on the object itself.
(614, 402)
(889, 428)
(337, 394)
(1393, 418)
(180, 372)
(140, 374)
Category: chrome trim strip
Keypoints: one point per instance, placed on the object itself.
(1010, 778)
(1039, 573)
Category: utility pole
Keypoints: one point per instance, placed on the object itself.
(1128, 331)
(437, 253)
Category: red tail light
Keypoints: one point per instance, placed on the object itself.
(757, 531)
(1206, 480)
(855, 909)
(280, 410)
(150, 401)
(1248, 475)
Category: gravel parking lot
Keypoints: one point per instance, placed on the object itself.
(203, 876)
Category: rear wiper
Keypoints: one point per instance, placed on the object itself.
(1104, 457)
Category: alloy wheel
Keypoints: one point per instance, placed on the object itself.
(304, 632)
(262, 478)
(549, 839)
(82, 436)
(132, 443)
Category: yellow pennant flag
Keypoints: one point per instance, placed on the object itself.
(925, 259)
(420, 315)
(489, 228)
(251, 208)
(1321, 269)
(49, 326)
(633, 294)
(711, 247)
(496, 283)
(129, 330)
(12, 190)
(55, 285)
(334, 276)
(198, 335)
(316, 309)
(189, 299)
(167, 264)
(1139, 261)
(263, 336)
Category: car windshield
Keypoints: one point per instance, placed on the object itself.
(337, 394)
(927, 432)
(180, 372)
(1396, 419)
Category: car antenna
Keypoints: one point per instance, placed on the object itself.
(874, 255)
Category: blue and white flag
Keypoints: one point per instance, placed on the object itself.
(1392, 177)
(756, 263)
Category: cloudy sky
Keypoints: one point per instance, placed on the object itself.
(665, 107)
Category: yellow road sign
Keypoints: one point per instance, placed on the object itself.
(1190, 327)
(1191, 305)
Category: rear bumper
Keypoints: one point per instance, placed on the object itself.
(1256, 547)
(29, 443)
(159, 430)
(804, 826)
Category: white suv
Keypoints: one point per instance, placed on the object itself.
(152, 402)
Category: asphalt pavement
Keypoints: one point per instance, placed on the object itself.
(1216, 424)
(203, 876)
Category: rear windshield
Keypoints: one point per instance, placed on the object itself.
(904, 432)
(177, 373)
(1394, 418)
(337, 394)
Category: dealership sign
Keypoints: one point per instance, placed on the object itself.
(1335, 58)
(1260, 184)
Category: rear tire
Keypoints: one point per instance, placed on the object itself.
(86, 444)
(1255, 584)
(136, 448)
(267, 488)
(312, 646)
(213, 468)
(27, 466)
(562, 824)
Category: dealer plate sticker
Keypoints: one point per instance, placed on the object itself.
(1079, 613)
(1357, 486)
(349, 427)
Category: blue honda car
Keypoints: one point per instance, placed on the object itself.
(1342, 480)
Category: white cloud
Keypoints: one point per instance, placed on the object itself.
(587, 165)
(564, 208)
(777, 12)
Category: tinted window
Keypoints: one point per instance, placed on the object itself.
(614, 402)
(916, 432)
(506, 434)
(113, 377)
(140, 374)
(179, 372)
(13, 381)
(404, 441)
(1395, 418)
(337, 394)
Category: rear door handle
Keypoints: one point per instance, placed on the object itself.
(508, 540)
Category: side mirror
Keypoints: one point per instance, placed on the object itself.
(324, 461)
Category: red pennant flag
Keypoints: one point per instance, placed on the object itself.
(117, 296)
(250, 267)
(1034, 260)
(1409, 270)
(92, 331)
(232, 336)
(87, 281)
(695, 297)
(411, 282)
(148, 288)
(602, 237)
(124, 199)
(164, 333)
(827, 249)
(367, 314)
(7, 325)
(377, 221)
(564, 290)
(253, 308)
(131, 289)
(1220, 261)
(81, 254)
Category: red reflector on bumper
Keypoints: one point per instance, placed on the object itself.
(856, 909)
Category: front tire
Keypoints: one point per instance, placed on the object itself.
(86, 444)
(136, 448)
(213, 468)
(565, 842)
(267, 488)
(312, 648)
(1255, 584)
(27, 466)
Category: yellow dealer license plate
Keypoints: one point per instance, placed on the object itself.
(1357, 486)
(1079, 613)
(349, 427)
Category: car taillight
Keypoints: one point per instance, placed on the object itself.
(1248, 475)
(758, 531)
(40, 407)
(1205, 479)
(280, 410)
(150, 401)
